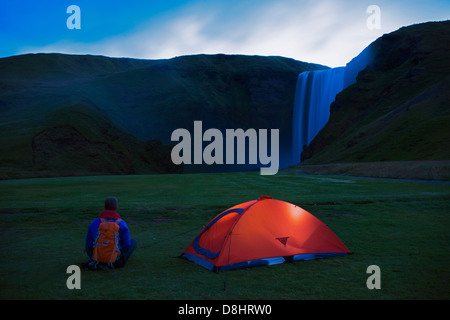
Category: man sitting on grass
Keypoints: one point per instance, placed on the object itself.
(96, 240)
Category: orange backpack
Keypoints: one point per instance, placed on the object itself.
(106, 246)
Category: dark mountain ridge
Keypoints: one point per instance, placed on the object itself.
(63, 115)
(77, 115)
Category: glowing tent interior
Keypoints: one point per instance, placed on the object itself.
(262, 232)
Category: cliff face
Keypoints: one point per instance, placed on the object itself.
(72, 115)
(399, 107)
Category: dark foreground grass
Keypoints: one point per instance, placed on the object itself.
(401, 226)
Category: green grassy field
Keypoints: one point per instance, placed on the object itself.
(401, 226)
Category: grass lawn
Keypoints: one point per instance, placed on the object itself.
(400, 226)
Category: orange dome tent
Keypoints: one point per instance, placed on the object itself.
(262, 232)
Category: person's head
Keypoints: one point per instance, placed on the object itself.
(111, 203)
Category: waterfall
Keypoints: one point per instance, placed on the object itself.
(314, 93)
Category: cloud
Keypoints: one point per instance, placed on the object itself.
(324, 32)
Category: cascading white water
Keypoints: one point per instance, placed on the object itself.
(315, 91)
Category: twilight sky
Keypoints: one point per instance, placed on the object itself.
(329, 32)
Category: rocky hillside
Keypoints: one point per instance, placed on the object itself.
(79, 115)
(399, 108)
